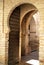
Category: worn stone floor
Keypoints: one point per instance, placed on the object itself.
(34, 55)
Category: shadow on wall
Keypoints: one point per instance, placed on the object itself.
(14, 23)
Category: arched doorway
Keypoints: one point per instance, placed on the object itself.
(15, 34)
(30, 37)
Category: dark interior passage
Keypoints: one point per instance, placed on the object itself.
(14, 23)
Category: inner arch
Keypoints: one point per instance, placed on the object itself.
(30, 38)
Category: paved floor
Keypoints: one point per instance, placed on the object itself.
(32, 55)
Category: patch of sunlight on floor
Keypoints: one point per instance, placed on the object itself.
(33, 62)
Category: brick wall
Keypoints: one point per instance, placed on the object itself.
(9, 6)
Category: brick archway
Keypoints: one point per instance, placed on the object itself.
(24, 33)
(26, 11)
